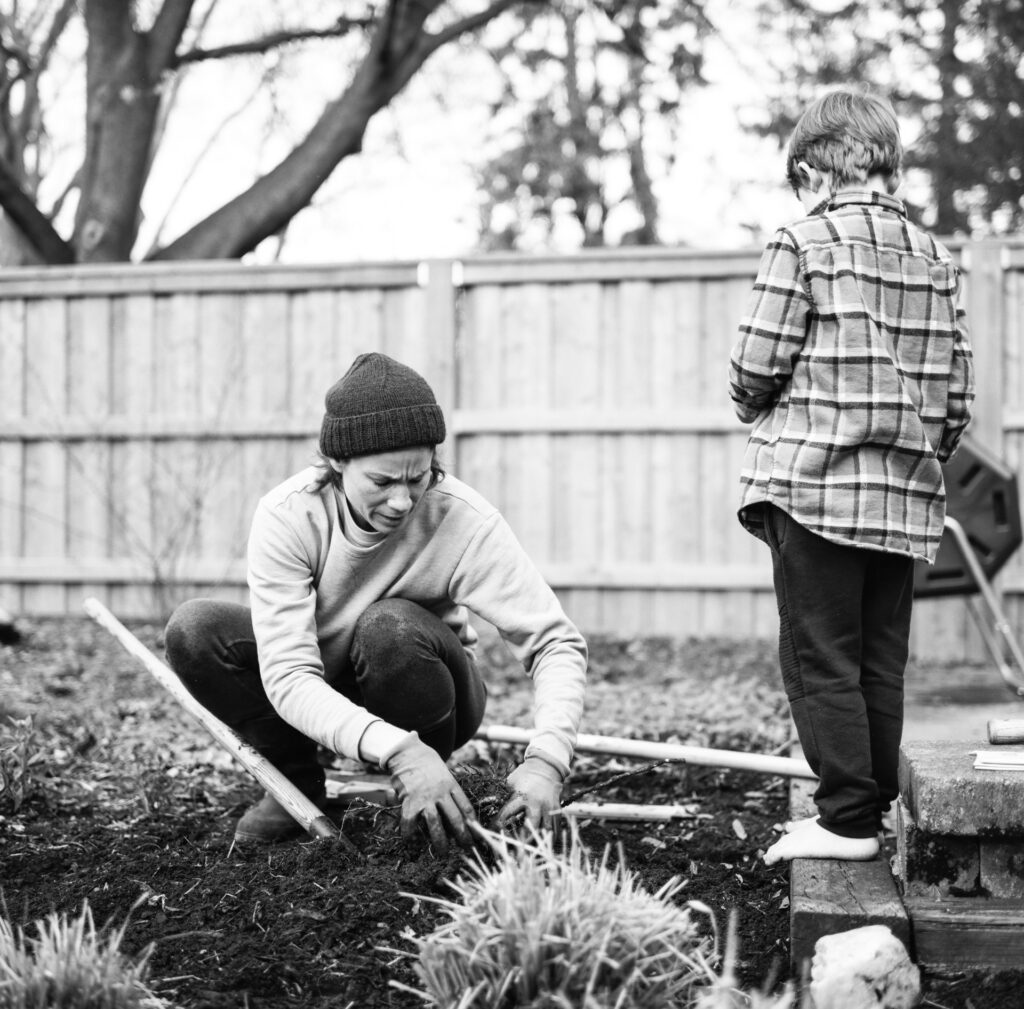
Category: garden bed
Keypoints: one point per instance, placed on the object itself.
(131, 807)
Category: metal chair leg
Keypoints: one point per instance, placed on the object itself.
(995, 629)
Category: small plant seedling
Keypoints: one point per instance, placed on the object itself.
(17, 756)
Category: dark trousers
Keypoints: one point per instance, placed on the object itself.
(405, 665)
(844, 632)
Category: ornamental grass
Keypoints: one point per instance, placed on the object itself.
(538, 924)
(69, 965)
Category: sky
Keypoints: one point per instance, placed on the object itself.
(411, 193)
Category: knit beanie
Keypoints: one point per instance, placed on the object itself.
(379, 405)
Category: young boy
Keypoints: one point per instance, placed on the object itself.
(854, 366)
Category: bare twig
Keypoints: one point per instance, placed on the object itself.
(615, 778)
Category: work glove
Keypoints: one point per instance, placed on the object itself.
(537, 790)
(430, 794)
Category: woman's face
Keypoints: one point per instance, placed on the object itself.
(383, 489)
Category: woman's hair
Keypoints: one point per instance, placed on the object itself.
(328, 476)
(849, 134)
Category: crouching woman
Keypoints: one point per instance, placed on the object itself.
(362, 572)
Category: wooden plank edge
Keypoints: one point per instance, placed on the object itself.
(828, 896)
(967, 933)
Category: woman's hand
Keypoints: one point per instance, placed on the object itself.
(537, 790)
(430, 794)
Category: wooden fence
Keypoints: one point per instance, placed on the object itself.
(144, 409)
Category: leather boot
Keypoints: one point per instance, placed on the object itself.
(294, 755)
(268, 822)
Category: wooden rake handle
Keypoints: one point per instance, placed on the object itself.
(305, 812)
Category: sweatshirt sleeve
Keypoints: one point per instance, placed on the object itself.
(283, 600)
(773, 331)
(496, 580)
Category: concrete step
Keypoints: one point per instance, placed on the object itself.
(945, 795)
(940, 866)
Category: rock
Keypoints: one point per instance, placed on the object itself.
(864, 968)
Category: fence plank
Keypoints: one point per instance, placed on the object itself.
(585, 397)
(12, 464)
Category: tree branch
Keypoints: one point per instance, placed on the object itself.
(469, 24)
(31, 222)
(57, 26)
(272, 41)
(165, 35)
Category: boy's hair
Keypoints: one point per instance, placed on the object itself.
(849, 134)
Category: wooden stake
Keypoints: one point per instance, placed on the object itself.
(786, 767)
(626, 811)
(305, 812)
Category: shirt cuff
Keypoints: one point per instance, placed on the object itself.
(379, 741)
(561, 766)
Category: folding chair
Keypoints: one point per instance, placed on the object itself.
(983, 529)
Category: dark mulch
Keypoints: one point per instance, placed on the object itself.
(131, 808)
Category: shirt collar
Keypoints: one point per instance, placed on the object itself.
(861, 197)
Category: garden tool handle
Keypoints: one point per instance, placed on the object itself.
(1006, 730)
(303, 810)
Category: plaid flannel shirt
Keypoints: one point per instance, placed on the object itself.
(854, 366)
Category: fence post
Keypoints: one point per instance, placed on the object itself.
(986, 322)
(441, 295)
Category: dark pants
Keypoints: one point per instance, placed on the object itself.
(405, 666)
(844, 632)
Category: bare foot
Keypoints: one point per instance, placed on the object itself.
(790, 825)
(814, 841)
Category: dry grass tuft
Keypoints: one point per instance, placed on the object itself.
(71, 966)
(538, 928)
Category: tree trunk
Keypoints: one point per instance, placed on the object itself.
(947, 218)
(123, 100)
(643, 188)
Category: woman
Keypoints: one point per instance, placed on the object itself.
(362, 571)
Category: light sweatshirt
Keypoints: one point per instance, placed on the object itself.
(454, 554)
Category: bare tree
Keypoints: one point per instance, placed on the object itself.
(615, 67)
(130, 71)
(953, 70)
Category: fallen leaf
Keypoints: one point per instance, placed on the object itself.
(739, 830)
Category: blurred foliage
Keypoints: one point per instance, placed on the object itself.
(587, 117)
(955, 74)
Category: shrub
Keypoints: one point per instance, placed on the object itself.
(70, 966)
(538, 928)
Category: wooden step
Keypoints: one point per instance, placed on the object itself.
(827, 896)
(967, 933)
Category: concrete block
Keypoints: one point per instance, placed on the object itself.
(1002, 869)
(946, 795)
(934, 865)
(863, 968)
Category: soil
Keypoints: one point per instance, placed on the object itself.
(129, 806)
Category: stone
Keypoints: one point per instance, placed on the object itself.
(864, 968)
(1002, 869)
(946, 795)
(934, 865)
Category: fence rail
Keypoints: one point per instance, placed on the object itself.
(144, 409)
